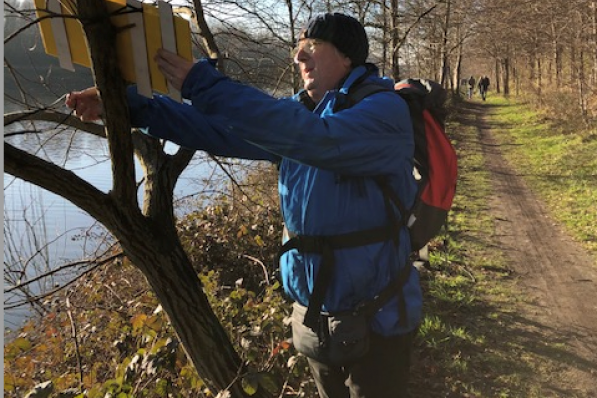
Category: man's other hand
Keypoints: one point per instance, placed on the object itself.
(87, 104)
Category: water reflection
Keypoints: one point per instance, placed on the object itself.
(38, 222)
(43, 225)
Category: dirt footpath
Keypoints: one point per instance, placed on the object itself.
(557, 278)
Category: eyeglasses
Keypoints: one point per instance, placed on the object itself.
(308, 46)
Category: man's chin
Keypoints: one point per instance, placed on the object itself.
(309, 85)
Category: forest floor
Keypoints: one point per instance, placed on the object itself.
(556, 320)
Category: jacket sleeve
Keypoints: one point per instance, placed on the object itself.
(366, 139)
(161, 117)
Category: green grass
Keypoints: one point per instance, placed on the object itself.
(473, 341)
(561, 167)
(468, 294)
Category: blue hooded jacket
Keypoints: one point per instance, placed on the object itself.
(326, 160)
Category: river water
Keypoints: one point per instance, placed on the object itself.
(37, 223)
(41, 225)
(41, 230)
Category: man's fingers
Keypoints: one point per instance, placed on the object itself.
(166, 56)
(86, 104)
(80, 111)
(164, 61)
(85, 111)
(71, 100)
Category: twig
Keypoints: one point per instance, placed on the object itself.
(62, 268)
(73, 331)
(256, 260)
(53, 291)
(287, 380)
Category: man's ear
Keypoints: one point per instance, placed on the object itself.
(346, 62)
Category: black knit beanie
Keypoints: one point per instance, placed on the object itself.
(344, 32)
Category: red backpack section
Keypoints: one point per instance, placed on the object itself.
(435, 159)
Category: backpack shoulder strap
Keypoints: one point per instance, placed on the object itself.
(359, 92)
(423, 94)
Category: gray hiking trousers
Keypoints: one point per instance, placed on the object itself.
(382, 373)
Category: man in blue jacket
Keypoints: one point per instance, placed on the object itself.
(329, 154)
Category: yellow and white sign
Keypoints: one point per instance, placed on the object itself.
(146, 28)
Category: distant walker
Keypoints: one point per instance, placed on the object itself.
(471, 87)
(483, 86)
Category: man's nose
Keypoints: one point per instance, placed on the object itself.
(301, 56)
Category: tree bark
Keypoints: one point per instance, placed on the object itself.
(506, 68)
(445, 67)
(150, 240)
(394, 40)
(101, 39)
(498, 76)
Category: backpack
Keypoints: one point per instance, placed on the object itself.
(435, 159)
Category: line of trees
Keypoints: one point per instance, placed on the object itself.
(543, 47)
(530, 46)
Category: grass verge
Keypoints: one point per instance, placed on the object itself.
(559, 165)
(468, 293)
(474, 341)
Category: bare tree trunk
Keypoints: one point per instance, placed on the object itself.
(151, 241)
(506, 68)
(457, 73)
(516, 80)
(573, 62)
(559, 66)
(497, 76)
(539, 81)
(394, 40)
(296, 82)
(532, 66)
(445, 66)
(581, 87)
(582, 40)
(594, 41)
(551, 65)
(101, 38)
(385, 40)
(516, 75)
(436, 61)
(180, 292)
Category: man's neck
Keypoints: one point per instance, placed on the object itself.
(317, 98)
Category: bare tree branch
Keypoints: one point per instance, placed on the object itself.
(50, 293)
(55, 179)
(52, 116)
(95, 263)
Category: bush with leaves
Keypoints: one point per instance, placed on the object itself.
(108, 337)
(238, 235)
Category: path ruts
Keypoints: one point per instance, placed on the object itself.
(557, 277)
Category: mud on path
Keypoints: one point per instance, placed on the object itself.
(556, 277)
